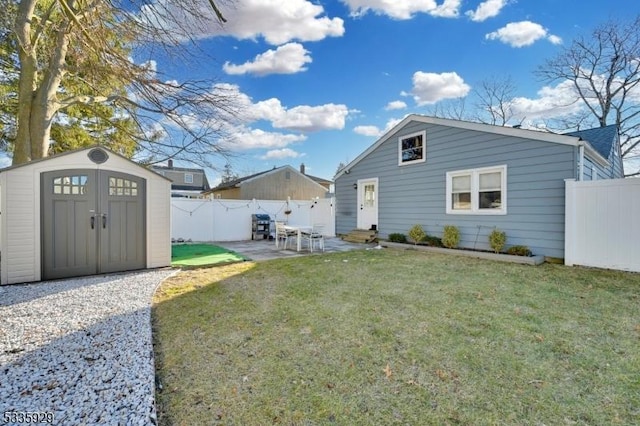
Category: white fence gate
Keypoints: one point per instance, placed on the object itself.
(602, 224)
(230, 220)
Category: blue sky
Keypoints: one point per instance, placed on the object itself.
(320, 80)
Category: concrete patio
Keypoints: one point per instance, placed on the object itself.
(261, 249)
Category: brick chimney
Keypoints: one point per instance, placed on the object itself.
(302, 168)
(170, 163)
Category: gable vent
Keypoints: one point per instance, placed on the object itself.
(98, 156)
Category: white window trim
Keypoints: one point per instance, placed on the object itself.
(424, 148)
(188, 178)
(475, 193)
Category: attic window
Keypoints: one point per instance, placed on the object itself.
(188, 178)
(287, 175)
(412, 148)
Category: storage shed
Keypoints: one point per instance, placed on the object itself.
(84, 212)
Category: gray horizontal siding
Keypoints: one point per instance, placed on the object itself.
(416, 194)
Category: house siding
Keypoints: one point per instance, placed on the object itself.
(280, 185)
(416, 194)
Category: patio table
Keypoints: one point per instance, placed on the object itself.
(299, 229)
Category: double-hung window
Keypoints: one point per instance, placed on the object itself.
(412, 148)
(477, 191)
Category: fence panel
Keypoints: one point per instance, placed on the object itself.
(191, 219)
(230, 220)
(602, 225)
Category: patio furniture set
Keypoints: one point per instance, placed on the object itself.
(312, 235)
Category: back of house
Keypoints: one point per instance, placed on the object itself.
(477, 177)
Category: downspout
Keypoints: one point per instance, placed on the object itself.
(580, 160)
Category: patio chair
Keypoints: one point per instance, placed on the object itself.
(314, 237)
(282, 234)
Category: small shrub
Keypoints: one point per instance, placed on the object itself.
(417, 234)
(497, 240)
(397, 238)
(451, 236)
(519, 251)
(433, 241)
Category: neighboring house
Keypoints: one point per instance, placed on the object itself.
(278, 183)
(478, 177)
(185, 182)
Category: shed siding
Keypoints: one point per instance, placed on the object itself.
(158, 223)
(22, 214)
(416, 194)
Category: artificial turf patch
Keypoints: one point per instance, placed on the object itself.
(201, 255)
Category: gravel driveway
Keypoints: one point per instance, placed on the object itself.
(79, 350)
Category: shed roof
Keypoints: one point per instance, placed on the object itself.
(74, 151)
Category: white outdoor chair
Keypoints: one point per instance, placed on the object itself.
(314, 237)
(283, 235)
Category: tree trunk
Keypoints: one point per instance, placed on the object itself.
(37, 103)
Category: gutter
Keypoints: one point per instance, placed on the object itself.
(581, 160)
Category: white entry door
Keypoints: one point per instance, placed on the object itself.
(367, 203)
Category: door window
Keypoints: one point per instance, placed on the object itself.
(121, 186)
(369, 195)
(70, 185)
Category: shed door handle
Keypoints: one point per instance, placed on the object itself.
(104, 220)
(92, 220)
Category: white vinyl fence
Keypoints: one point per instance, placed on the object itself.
(602, 224)
(230, 220)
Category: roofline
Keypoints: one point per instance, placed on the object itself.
(74, 151)
(286, 166)
(469, 125)
(589, 149)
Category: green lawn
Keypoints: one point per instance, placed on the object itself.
(398, 337)
(195, 255)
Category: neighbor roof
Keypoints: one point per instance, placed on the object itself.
(600, 138)
(237, 182)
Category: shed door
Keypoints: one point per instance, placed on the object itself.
(92, 222)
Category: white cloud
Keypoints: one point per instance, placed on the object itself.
(523, 33)
(554, 39)
(429, 88)
(277, 21)
(305, 118)
(287, 59)
(487, 9)
(244, 138)
(301, 118)
(279, 154)
(374, 130)
(394, 105)
(368, 130)
(404, 9)
(552, 102)
(282, 21)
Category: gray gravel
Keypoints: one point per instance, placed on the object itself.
(80, 349)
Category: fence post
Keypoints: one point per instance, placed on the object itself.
(569, 221)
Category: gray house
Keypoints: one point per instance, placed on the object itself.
(478, 177)
(186, 182)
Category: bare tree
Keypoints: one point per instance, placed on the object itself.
(494, 103)
(454, 109)
(605, 72)
(62, 43)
